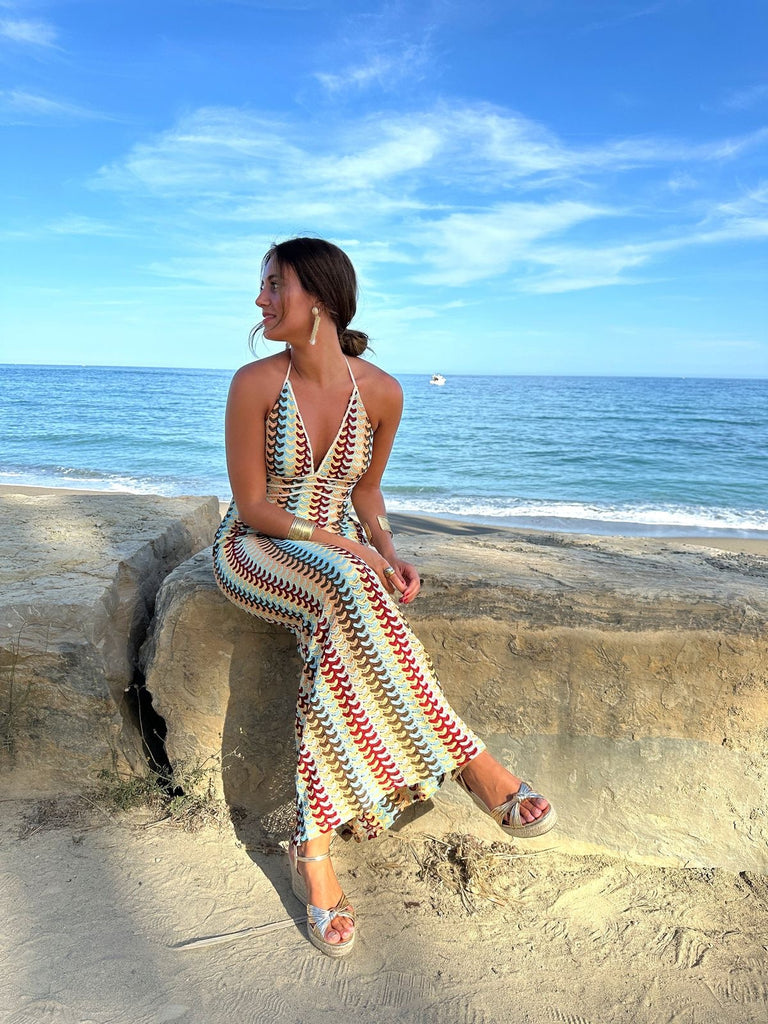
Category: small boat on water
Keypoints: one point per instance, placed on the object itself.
(437, 378)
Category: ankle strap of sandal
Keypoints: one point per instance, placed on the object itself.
(307, 860)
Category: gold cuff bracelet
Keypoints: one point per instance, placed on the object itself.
(383, 525)
(301, 529)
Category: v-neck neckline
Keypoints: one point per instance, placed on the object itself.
(316, 468)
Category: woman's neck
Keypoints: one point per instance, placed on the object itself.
(323, 364)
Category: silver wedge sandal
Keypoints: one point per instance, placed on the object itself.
(507, 815)
(319, 920)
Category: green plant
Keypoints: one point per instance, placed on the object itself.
(187, 797)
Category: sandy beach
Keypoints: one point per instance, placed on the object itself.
(101, 913)
(96, 915)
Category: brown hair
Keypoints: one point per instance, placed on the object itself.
(326, 272)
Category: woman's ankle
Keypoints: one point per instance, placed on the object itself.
(317, 847)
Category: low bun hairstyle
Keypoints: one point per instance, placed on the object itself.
(326, 272)
(353, 343)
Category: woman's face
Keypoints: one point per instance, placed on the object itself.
(286, 308)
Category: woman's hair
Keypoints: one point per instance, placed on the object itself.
(327, 273)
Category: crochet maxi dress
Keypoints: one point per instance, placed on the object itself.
(374, 731)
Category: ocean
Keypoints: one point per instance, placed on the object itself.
(599, 455)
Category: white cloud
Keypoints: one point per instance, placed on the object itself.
(745, 99)
(75, 225)
(383, 69)
(572, 268)
(17, 105)
(755, 201)
(213, 151)
(231, 266)
(627, 15)
(445, 195)
(229, 151)
(35, 33)
(404, 149)
(575, 268)
(379, 46)
(625, 154)
(682, 182)
(466, 247)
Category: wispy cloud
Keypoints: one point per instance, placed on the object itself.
(462, 194)
(754, 201)
(72, 225)
(466, 247)
(574, 268)
(32, 33)
(77, 225)
(274, 5)
(17, 105)
(391, 43)
(745, 99)
(480, 148)
(630, 15)
(398, 151)
(385, 70)
(214, 150)
(682, 182)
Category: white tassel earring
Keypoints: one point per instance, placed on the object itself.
(315, 326)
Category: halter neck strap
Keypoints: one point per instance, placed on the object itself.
(290, 367)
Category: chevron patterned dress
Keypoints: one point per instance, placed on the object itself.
(374, 731)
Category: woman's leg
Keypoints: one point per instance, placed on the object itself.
(323, 888)
(494, 785)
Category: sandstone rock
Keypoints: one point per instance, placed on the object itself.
(78, 579)
(625, 678)
(225, 684)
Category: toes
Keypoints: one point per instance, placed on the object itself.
(532, 810)
(340, 930)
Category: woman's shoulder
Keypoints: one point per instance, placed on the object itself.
(262, 373)
(260, 381)
(381, 392)
(374, 379)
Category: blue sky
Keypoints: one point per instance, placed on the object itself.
(555, 186)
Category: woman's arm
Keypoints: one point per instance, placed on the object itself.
(252, 394)
(369, 501)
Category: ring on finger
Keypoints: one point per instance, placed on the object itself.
(389, 571)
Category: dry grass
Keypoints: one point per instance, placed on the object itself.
(72, 811)
(463, 865)
(15, 695)
(188, 801)
(458, 872)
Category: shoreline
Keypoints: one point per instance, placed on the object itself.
(415, 524)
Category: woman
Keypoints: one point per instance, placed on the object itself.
(308, 434)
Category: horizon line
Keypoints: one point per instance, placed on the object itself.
(399, 373)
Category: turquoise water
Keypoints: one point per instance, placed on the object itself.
(592, 454)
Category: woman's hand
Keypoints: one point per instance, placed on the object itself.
(387, 572)
(404, 579)
(409, 575)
